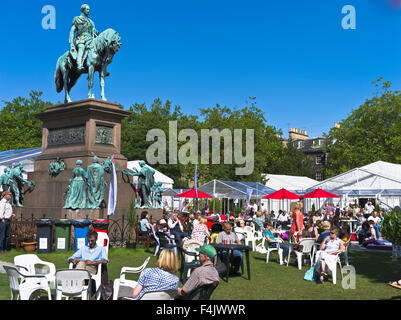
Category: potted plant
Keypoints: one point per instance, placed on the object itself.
(131, 222)
(28, 237)
(391, 230)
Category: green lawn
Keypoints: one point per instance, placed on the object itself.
(269, 281)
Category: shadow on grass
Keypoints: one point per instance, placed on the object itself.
(376, 266)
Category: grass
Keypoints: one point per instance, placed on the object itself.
(268, 281)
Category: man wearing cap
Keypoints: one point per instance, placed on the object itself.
(205, 274)
(6, 213)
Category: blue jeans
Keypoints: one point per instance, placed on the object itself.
(236, 255)
(4, 234)
(178, 235)
(286, 249)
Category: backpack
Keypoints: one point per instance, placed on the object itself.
(310, 273)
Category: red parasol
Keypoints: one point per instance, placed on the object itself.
(282, 194)
(319, 193)
(191, 194)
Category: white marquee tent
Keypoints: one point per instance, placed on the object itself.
(296, 184)
(277, 182)
(379, 180)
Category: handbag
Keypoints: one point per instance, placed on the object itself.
(310, 273)
(106, 290)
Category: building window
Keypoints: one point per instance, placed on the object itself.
(318, 176)
(319, 159)
(300, 144)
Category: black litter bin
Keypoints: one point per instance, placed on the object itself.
(44, 235)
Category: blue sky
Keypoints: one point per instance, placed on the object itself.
(304, 68)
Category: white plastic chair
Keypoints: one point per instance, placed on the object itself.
(127, 283)
(334, 271)
(269, 250)
(23, 286)
(156, 295)
(240, 233)
(250, 237)
(159, 295)
(26, 263)
(307, 249)
(73, 283)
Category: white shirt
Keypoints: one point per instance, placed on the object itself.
(375, 219)
(172, 224)
(282, 218)
(255, 207)
(369, 208)
(6, 210)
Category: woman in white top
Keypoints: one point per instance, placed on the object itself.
(330, 247)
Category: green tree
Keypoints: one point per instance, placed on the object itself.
(370, 133)
(18, 127)
(267, 145)
(135, 127)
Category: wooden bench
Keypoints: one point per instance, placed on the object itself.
(17, 229)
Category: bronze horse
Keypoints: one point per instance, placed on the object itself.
(98, 55)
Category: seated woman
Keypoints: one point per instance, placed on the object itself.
(272, 241)
(345, 233)
(216, 229)
(144, 222)
(259, 221)
(200, 231)
(330, 247)
(326, 233)
(313, 233)
(160, 278)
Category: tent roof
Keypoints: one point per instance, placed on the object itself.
(377, 177)
(170, 192)
(234, 190)
(159, 177)
(277, 181)
(28, 155)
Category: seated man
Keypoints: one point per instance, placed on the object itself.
(228, 237)
(176, 228)
(205, 274)
(88, 257)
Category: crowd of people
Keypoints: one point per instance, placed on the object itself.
(329, 226)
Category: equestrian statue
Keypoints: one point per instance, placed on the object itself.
(89, 52)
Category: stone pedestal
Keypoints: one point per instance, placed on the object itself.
(75, 131)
